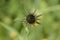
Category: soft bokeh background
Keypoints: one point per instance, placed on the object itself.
(12, 29)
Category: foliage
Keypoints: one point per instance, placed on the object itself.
(12, 13)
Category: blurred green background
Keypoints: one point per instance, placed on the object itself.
(11, 10)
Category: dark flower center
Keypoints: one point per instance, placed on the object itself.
(30, 18)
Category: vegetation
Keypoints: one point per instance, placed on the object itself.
(12, 13)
